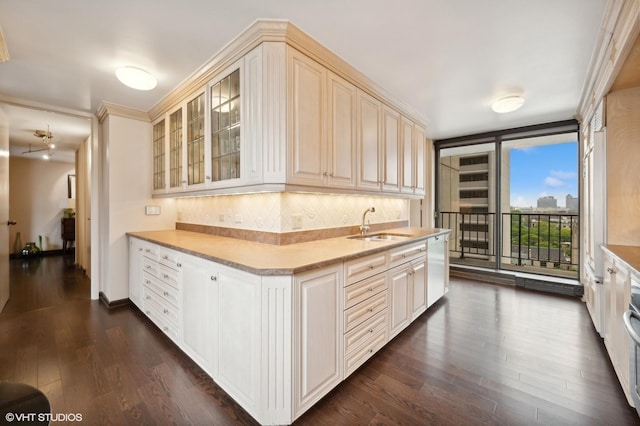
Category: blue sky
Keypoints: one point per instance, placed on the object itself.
(543, 170)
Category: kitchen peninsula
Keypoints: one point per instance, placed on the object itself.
(278, 327)
(277, 147)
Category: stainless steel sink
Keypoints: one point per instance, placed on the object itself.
(383, 236)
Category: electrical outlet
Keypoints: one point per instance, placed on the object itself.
(297, 221)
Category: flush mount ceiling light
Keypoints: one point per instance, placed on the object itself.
(136, 78)
(507, 104)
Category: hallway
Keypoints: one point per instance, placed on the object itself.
(485, 354)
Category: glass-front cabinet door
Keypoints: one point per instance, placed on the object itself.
(225, 128)
(159, 174)
(196, 140)
(176, 179)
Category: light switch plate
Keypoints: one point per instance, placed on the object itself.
(151, 210)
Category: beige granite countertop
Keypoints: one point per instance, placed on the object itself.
(628, 254)
(268, 259)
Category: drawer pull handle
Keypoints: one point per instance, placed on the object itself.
(611, 270)
(370, 309)
(149, 267)
(166, 329)
(370, 351)
(370, 288)
(147, 282)
(179, 265)
(166, 311)
(166, 277)
(371, 266)
(166, 293)
(371, 330)
(214, 278)
(148, 312)
(148, 297)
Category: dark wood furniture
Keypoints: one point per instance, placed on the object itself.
(68, 231)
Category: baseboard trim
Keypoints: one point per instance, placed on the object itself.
(543, 283)
(114, 303)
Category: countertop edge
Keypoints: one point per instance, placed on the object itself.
(145, 236)
(622, 254)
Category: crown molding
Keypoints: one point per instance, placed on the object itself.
(107, 108)
(619, 29)
(283, 31)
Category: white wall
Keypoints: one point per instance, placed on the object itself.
(126, 184)
(37, 192)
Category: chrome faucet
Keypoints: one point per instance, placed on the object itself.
(365, 228)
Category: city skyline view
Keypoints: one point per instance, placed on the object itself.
(543, 170)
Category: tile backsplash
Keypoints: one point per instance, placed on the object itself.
(288, 211)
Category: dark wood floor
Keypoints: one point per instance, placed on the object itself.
(485, 354)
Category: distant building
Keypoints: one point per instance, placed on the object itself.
(572, 203)
(548, 202)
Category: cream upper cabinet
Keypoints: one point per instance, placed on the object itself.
(419, 159)
(288, 120)
(341, 132)
(369, 137)
(306, 111)
(413, 158)
(391, 150)
(321, 125)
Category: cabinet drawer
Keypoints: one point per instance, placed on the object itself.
(151, 266)
(155, 301)
(365, 332)
(169, 276)
(364, 289)
(358, 357)
(169, 258)
(406, 253)
(158, 319)
(168, 293)
(151, 252)
(364, 310)
(364, 267)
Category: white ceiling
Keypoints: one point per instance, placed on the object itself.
(448, 59)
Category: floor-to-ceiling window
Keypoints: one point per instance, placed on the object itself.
(511, 197)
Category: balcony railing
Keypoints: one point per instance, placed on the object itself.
(544, 243)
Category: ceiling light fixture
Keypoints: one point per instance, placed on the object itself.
(507, 104)
(136, 78)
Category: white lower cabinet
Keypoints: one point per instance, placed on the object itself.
(399, 289)
(617, 296)
(365, 319)
(278, 344)
(161, 289)
(136, 248)
(239, 334)
(200, 316)
(419, 287)
(317, 336)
